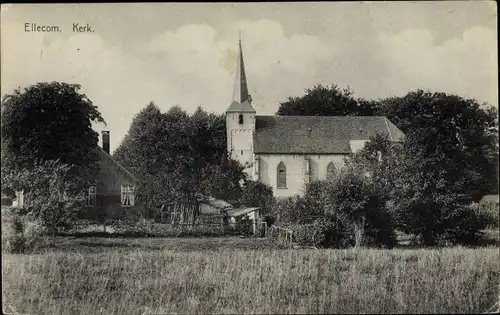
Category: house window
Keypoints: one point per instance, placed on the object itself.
(330, 171)
(19, 201)
(281, 174)
(240, 119)
(128, 195)
(91, 196)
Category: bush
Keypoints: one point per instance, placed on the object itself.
(50, 197)
(359, 203)
(257, 194)
(242, 226)
(465, 224)
(12, 231)
(19, 233)
(287, 210)
(322, 233)
(490, 212)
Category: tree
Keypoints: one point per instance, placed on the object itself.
(51, 195)
(426, 201)
(257, 194)
(145, 153)
(354, 199)
(455, 135)
(179, 156)
(50, 121)
(418, 194)
(326, 101)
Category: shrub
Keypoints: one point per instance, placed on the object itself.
(34, 234)
(288, 210)
(356, 201)
(12, 231)
(257, 194)
(322, 233)
(50, 196)
(464, 225)
(19, 233)
(243, 226)
(490, 211)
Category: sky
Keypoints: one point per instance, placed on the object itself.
(185, 53)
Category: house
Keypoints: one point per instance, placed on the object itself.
(114, 190)
(112, 193)
(214, 206)
(489, 199)
(252, 214)
(287, 152)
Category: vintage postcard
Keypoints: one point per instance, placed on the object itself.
(250, 158)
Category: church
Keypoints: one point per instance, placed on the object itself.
(287, 152)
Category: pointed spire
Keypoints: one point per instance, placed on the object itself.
(241, 88)
(241, 99)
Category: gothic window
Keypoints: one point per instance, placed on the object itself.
(91, 196)
(128, 195)
(281, 173)
(240, 119)
(256, 167)
(330, 171)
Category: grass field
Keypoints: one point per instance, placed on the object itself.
(229, 275)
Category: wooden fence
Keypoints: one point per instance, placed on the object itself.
(282, 236)
(180, 213)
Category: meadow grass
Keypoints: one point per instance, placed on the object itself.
(239, 281)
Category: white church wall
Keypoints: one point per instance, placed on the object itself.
(319, 163)
(296, 176)
(357, 145)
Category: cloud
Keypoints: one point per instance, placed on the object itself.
(194, 65)
(465, 65)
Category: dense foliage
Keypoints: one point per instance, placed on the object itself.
(49, 121)
(455, 135)
(420, 197)
(51, 197)
(258, 194)
(454, 138)
(326, 101)
(179, 156)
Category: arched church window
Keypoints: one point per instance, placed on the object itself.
(240, 119)
(281, 173)
(330, 171)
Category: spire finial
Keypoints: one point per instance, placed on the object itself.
(240, 35)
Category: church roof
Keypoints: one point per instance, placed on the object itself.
(244, 107)
(318, 134)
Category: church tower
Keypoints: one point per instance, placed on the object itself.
(240, 120)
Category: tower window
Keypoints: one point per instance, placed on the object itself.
(240, 119)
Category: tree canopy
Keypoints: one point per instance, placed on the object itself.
(176, 155)
(322, 100)
(456, 136)
(50, 121)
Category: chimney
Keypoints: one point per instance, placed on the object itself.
(105, 141)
